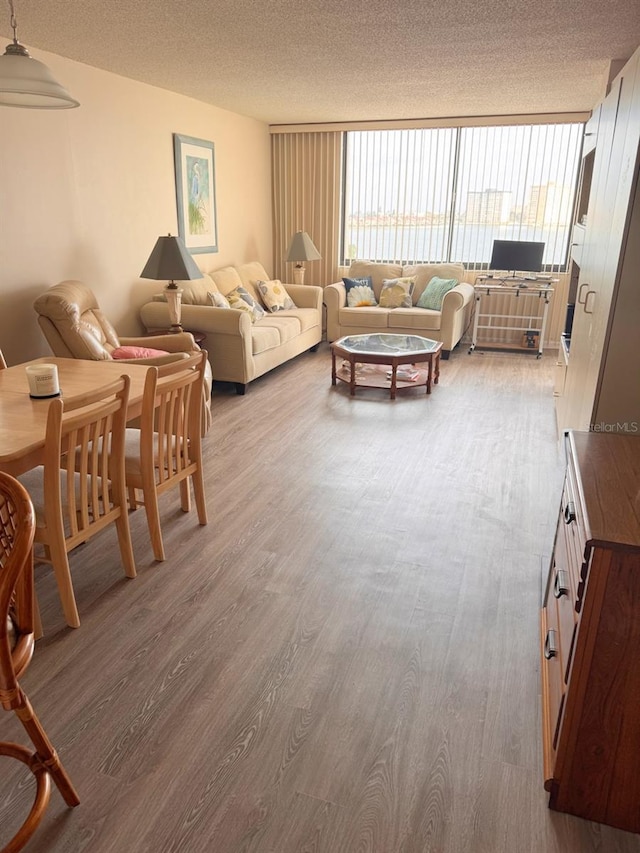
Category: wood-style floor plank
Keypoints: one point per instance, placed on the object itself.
(345, 659)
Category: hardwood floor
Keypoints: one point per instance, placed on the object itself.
(346, 658)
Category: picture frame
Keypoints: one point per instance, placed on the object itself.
(196, 193)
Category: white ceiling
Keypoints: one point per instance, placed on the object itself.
(323, 60)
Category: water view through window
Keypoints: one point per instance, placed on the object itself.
(445, 194)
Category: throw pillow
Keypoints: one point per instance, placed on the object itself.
(435, 291)
(275, 296)
(359, 292)
(218, 300)
(137, 352)
(396, 292)
(242, 300)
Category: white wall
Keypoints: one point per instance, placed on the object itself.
(85, 193)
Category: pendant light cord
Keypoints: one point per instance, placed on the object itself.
(14, 23)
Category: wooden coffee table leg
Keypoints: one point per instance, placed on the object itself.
(394, 367)
(352, 383)
(429, 373)
(333, 367)
(436, 375)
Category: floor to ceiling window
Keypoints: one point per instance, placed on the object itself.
(444, 194)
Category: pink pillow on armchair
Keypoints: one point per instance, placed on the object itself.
(137, 352)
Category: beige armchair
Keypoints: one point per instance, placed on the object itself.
(75, 327)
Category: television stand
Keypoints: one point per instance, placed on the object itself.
(515, 316)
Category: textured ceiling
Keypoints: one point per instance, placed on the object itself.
(322, 60)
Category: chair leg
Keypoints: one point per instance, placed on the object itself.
(185, 495)
(133, 501)
(124, 542)
(198, 489)
(150, 497)
(60, 562)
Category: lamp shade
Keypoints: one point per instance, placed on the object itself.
(301, 248)
(26, 82)
(170, 259)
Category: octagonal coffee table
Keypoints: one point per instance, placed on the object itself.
(386, 361)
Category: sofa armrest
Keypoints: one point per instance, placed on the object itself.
(178, 342)
(335, 298)
(305, 295)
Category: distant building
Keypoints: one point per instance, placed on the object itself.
(549, 204)
(488, 207)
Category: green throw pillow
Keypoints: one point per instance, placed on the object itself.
(433, 294)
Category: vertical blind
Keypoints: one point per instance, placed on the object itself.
(445, 194)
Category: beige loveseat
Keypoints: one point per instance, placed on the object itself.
(240, 350)
(447, 325)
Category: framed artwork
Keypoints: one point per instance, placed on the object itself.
(196, 193)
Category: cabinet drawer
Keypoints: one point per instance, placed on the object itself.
(552, 687)
(572, 522)
(562, 595)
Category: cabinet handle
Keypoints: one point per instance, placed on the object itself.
(586, 299)
(569, 512)
(550, 648)
(561, 583)
(581, 301)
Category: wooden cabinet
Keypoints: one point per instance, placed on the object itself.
(590, 635)
(602, 389)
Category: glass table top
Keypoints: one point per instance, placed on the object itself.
(381, 344)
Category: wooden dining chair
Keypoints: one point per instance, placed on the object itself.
(167, 449)
(17, 528)
(80, 489)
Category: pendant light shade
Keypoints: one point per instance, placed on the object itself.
(26, 82)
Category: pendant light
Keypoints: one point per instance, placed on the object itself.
(26, 82)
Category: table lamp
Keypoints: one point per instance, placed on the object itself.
(301, 249)
(170, 259)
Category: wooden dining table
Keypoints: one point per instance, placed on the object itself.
(23, 420)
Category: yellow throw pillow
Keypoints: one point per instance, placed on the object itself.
(396, 292)
(275, 296)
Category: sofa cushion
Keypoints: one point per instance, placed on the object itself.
(226, 279)
(306, 317)
(365, 318)
(196, 292)
(275, 296)
(250, 274)
(359, 292)
(419, 320)
(435, 291)
(274, 330)
(396, 292)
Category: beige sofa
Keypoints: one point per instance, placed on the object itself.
(240, 350)
(447, 325)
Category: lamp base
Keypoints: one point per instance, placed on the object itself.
(175, 328)
(298, 275)
(173, 296)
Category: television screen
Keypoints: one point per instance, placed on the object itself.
(516, 255)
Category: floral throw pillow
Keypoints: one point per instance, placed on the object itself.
(396, 292)
(359, 292)
(242, 300)
(275, 296)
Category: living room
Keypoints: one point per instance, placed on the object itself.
(347, 656)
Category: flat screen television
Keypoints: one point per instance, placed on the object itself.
(516, 255)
